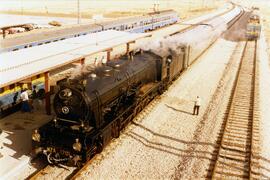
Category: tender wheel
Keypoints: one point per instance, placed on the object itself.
(99, 147)
(117, 132)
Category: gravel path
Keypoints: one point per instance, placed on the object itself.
(153, 147)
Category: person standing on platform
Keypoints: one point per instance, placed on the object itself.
(197, 105)
(25, 101)
(35, 98)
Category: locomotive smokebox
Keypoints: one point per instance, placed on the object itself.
(70, 103)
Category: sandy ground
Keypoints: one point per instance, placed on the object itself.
(15, 143)
(112, 8)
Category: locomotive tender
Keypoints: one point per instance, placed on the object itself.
(94, 107)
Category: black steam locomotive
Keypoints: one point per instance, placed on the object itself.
(93, 108)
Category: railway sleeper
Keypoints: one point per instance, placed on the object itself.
(243, 94)
(236, 142)
(235, 156)
(234, 130)
(239, 118)
(239, 137)
(241, 107)
(244, 118)
(234, 139)
(232, 165)
(240, 126)
(229, 174)
(230, 148)
(237, 123)
(235, 146)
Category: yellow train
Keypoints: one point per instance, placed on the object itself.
(253, 30)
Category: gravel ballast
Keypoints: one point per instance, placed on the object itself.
(153, 146)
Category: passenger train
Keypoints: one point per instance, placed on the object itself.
(137, 24)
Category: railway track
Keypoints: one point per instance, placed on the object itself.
(239, 141)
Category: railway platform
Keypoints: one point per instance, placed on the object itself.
(15, 141)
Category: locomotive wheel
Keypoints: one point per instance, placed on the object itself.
(99, 147)
(50, 159)
(117, 131)
(79, 164)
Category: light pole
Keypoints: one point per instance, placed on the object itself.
(46, 8)
(21, 7)
(79, 12)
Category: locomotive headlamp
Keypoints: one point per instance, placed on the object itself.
(82, 124)
(36, 136)
(77, 146)
(65, 110)
(55, 120)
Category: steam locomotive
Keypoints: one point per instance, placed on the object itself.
(93, 108)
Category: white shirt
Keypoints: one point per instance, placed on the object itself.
(198, 101)
(24, 96)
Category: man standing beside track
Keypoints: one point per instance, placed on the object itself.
(197, 105)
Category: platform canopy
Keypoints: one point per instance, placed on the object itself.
(25, 63)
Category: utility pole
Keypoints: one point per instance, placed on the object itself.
(79, 12)
(21, 7)
(46, 8)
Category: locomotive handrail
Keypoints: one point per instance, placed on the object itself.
(66, 120)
